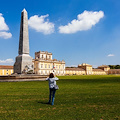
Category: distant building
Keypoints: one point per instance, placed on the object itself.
(74, 71)
(44, 64)
(86, 69)
(98, 72)
(6, 70)
(114, 71)
(105, 68)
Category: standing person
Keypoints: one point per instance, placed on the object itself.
(52, 87)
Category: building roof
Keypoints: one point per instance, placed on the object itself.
(6, 67)
(49, 61)
(85, 64)
(114, 70)
(99, 70)
(44, 52)
(105, 66)
(74, 69)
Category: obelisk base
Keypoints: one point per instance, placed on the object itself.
(23, 62)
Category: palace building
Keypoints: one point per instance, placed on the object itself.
(44, 64)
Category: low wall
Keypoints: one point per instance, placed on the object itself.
(23, 76)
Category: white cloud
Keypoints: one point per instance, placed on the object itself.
(3, 25)
(8, 61)
(84, 21)
(3, 28)
(5, 35)
(40, 25)
(110, 55)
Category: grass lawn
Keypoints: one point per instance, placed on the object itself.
(79, 98)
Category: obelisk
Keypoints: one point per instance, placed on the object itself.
(23, 60)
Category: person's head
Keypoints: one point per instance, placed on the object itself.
(51, 75)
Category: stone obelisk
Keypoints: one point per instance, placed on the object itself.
(23, 60)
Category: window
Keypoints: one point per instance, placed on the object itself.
(45, 65)
(49, 66)
(41, 65)
(44, 56)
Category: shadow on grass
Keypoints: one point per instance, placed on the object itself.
(43, 102)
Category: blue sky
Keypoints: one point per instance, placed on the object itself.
(77, 31)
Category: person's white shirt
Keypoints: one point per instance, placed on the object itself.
(52, 81)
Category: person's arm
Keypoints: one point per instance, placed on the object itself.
(56, 78)
(47, 78)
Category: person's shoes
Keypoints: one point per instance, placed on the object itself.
(52, 104)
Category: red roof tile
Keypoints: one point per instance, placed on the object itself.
(74, 69)
(6, 67)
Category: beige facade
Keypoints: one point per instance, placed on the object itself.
(6, 70)
(44, 67)
(44, 64)
(98, 72)
(86, 69)
(105, 68)
(74, 71)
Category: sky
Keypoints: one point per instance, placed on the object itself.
(76, 31)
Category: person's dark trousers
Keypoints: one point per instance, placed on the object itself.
(52, 93)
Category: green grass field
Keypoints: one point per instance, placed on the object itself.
(79, 98)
